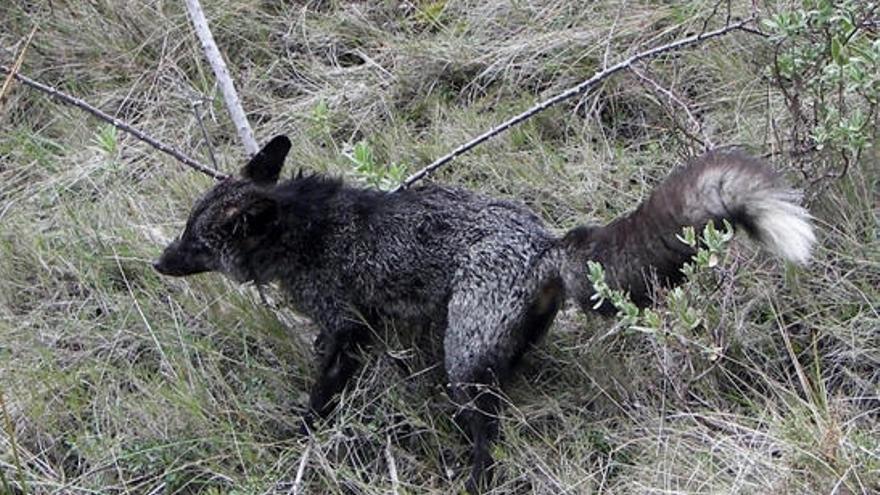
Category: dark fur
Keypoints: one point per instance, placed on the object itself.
(485, 271)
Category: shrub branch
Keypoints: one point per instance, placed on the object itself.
(576, 90)
(119, 124)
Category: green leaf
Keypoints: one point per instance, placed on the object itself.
(838, 53)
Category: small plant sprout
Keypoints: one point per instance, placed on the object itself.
(107, 140)
(627, 311)
(320, 119)
(710, 247)
(384, 177)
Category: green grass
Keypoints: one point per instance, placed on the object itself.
(117, 380)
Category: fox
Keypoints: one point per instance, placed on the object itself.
(485, 271)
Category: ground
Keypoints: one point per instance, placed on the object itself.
(114, 379)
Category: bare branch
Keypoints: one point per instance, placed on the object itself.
(143, 136)
(706, 141)
(236, 112)
(580, 88)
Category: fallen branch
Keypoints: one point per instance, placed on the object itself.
(236, 112)
(580, 88)
(155, 143)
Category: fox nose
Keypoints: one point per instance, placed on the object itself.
(156, 265)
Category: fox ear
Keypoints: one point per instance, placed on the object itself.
(253, 217)
(265, 166)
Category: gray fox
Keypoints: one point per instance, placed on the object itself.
(486, 271)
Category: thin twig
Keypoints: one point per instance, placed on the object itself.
(16, 66)
(233, 104)
(197, 107)
(607, 53)
(712, 15)
(580, 88)
(706, 142)
(143, 136)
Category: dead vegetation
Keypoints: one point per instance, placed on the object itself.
(115, 380)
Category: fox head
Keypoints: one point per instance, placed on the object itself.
(230, 221)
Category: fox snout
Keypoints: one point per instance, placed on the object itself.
(182, 258)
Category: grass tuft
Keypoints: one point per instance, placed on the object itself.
(116, 380)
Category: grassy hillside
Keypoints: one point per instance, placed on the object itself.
(116, 380)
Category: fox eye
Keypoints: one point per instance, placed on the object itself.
(201, 244)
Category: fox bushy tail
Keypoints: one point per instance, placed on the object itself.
(643, 246)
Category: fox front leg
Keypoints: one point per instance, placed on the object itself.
(338, 357)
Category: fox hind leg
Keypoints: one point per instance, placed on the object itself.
(485, 338)
(480, 403)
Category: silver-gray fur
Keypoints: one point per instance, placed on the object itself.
(485, 271)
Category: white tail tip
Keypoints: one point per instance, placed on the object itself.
(784, 226)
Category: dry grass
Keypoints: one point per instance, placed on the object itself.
(115, 380)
